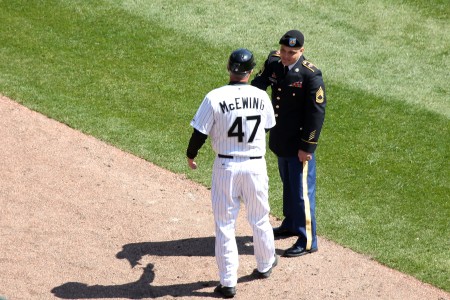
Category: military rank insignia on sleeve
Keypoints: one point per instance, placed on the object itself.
(312, 135)
(319, 95)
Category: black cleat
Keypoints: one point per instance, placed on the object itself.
(225, 291)
(268, 272)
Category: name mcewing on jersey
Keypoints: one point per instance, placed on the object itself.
(241, 103)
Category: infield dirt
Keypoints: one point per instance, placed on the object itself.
(81, 219)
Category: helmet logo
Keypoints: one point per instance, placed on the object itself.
(292, 41)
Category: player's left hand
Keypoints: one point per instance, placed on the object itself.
(192, 164)
(304, 156)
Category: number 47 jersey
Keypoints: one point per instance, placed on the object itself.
(235, 116)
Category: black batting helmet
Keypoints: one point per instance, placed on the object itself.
(241, 61)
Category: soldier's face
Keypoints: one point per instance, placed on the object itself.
(290, 55)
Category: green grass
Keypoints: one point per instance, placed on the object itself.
(133, 73)
(388, 48)
(386, 195)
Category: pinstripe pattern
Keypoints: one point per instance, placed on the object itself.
(245, 179)
(235, 116)
(211, 119)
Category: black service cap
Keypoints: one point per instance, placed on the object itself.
(292, 38)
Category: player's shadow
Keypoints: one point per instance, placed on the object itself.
(185, 247)
(139, 289)
(142, 288)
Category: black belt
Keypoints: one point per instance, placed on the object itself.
(231, 157)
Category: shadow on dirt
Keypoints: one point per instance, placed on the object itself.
(187, 247)
(134, 290)
(142, 288)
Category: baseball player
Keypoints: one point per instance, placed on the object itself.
(236, 117)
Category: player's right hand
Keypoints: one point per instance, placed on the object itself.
(192, 164)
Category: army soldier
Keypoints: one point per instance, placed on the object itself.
(298, 98)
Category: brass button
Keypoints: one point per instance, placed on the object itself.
(279, 89)
(276, 115)
(278, 98)
(277, 106)
(293, 94)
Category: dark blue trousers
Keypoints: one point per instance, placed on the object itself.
(299, 199)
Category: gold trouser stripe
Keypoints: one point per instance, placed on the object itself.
(308, 225)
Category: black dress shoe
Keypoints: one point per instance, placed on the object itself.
(225, 291)
(295, 251)
(281, 232)
(268, 272)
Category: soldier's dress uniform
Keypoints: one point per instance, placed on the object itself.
(298, 98)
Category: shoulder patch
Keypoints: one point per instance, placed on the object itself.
(275, 53)
(273, 56)
(309, 66)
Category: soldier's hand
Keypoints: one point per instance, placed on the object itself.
(192, 164)
(304, 156)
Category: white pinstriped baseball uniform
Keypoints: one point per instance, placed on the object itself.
(235, 116)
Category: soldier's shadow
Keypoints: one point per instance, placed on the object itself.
(142, 288)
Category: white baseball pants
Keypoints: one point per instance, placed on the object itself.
(246, 179)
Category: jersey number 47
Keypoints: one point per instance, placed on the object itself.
(236, 128)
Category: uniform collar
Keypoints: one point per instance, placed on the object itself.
(298, 61)
(237, 83)
(291, 66)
